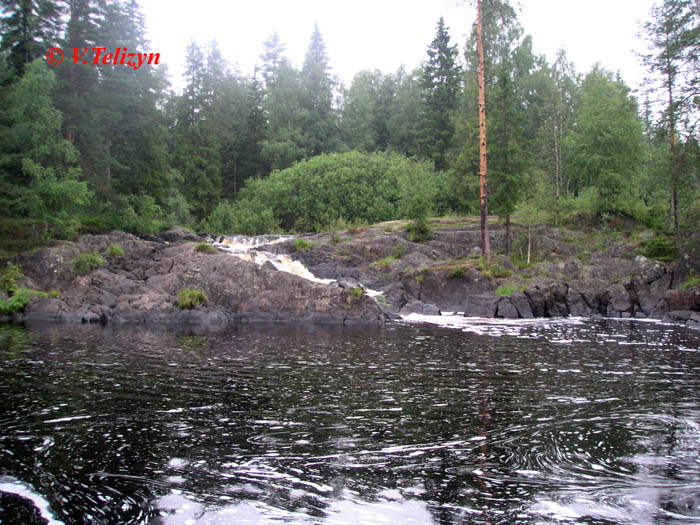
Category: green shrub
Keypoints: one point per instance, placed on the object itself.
(204, 247)
(418, 230)
(383, 263)
(691, 281)
(113, 250)
(458, 272)
(190, 298)
(20, 298)
(398, 251)
(492, 270)
(9, 276)
(84, 263)
(662, 248)
(505, 291)
(302, 245)
(332, 190)
(355, 294)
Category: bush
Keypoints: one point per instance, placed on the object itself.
(203, 247)
(355, 294)
(20, 298)
(190, 298)
(84, 263)
(505, 291)
(458, 272)
(419, 231)
(9, 276)
(662, 248)
(327, 190)
(113, 250)
(302, 245)
(245, 216)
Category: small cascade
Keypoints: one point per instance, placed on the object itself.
(250, 249)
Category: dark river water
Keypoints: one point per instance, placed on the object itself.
(573, 422)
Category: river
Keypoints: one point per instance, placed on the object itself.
(543, 421)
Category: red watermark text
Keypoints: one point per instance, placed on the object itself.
(100, 55)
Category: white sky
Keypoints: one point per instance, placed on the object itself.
(384, 34)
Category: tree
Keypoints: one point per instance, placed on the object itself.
(358, 123)
(674, 36)
(282, 106)
(440, 80)
(605, 148)
(483, 188)
(28, 28)
(559, 88)
(38, 168)
(317, 100)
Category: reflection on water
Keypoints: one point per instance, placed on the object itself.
(594, 422)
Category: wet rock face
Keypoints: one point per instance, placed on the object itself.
(143, 286)
(444, 274)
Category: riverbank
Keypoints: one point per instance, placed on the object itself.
(570, 273)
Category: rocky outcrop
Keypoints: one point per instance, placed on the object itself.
(444, 274)
(143, 285)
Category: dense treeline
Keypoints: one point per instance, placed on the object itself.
(111, 147)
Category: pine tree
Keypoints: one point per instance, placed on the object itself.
(320, 127)
(674, 37)
(440, 81)
(29, 28)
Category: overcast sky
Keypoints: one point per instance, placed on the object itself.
(384, 34)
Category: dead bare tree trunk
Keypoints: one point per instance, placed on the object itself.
(483, 188)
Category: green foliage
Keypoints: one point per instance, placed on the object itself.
(398, 251)
(244, 216)
(190, 298)
(384, 262)
(19, 299)
(302, 245)
(114, 250)
(354, 187)
(354, 294)
(505, 290)
(39, 170)
(203, 247)
(9, 276)
(458, 272)
(691, 281)
(84, 263)
(492, 270)
(662, 248)
(419, 231)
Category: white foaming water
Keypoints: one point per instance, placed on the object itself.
(246, 248)
(488, 326)
(10, 485)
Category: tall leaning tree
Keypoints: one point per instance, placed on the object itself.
(483, 186)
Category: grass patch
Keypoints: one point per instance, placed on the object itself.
(458, 272)
(84, 263)
(505, 291)
(190, 298)
(204, 247)
(114, 250)
(383, 263)
(354, 294)
(302, 245)
(492, 270)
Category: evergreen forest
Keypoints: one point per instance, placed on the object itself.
(283, 148)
